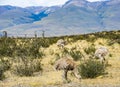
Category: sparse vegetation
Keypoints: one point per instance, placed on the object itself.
(29, 56)
(91, 69)
(6, 46)
(26, 67)
(90, 50)
(75, 54)
(4, 66)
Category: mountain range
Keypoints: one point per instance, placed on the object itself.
(74, 17)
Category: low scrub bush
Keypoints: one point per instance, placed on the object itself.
(37, 66)
(110, 55)
(27, 67)
(1, 73)
(31, 49)
(4, 66)
(76, 55)
(91, 69)
(57, 56)
(90, 50)
(6, 46)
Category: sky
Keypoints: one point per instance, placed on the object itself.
(26, 3)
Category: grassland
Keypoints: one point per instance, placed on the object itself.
(48, 77)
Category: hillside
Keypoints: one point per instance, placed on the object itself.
(77, 16)
(20, 52)
(12, 16)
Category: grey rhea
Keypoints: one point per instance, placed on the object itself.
(100, 53)
(61, 43)
(67, 64)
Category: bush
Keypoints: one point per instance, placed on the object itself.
(6, 46)
(57, 56)
(65, 51)
(110, 55)
(28, 48)
(37, 66)
(1, 73)
(23, 70)
(4, 66)
(90, 50)
(27, 67)
(76, 55)
(73, 52)
(91, 69)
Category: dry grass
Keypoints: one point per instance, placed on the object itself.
(51, 77)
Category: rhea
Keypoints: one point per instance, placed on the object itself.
(67, 64)
(61, 43)
(101, 53)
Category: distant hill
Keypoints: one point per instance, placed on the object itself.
(11, 16)
(74, 17)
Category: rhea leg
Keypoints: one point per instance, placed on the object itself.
(64, 76)
(75, 72)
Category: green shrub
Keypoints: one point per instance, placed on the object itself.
(23, 70)
(37, 66)
(90, 50)
(57, 56)
(4, 66)
(64, 52)
(76, 55)
(27, 67)
(91, 69)
(1, 73)
(73, 52)
(6, 46)
(31, 49)
(110, 55)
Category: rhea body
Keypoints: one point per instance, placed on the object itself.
(67, 64)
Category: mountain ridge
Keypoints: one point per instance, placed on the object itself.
(75, 17)
(11, 15)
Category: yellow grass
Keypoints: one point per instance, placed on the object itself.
(51, 77)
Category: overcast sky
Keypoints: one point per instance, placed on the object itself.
(26, 3)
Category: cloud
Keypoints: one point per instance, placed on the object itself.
(96, 0)
(26, 3)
